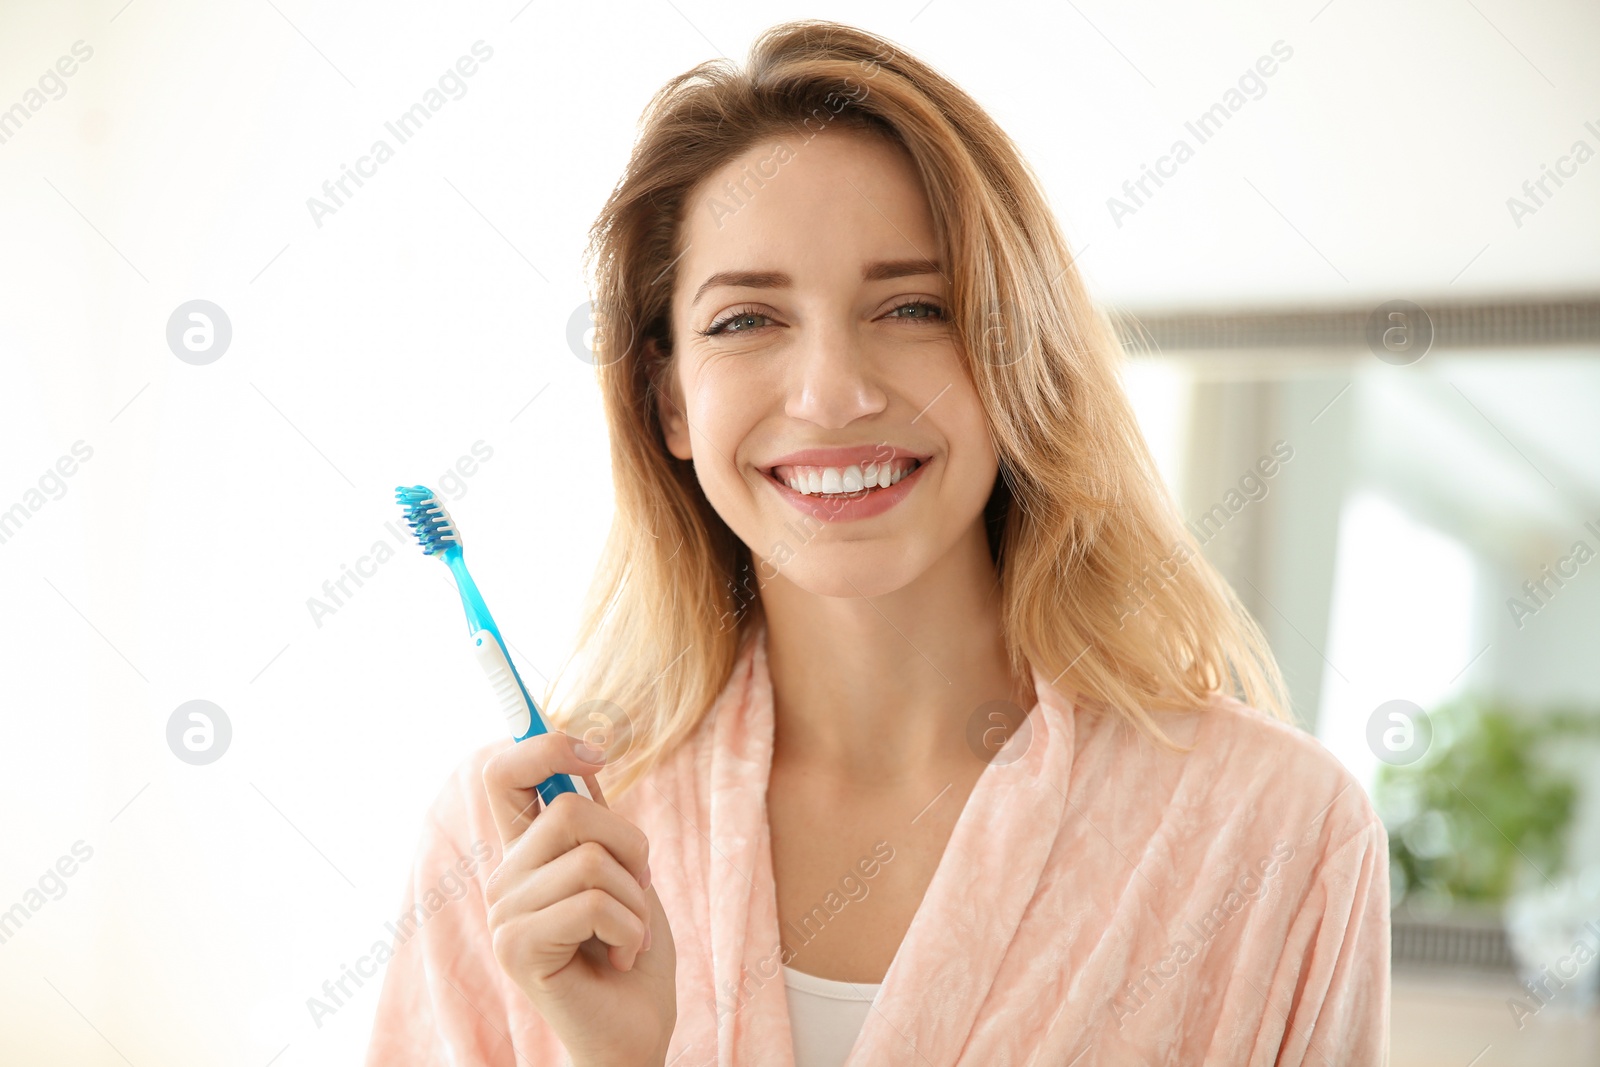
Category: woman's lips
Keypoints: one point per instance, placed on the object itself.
(849, 507)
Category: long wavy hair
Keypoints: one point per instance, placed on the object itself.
(1103, 587)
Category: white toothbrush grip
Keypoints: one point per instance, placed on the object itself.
(507, 693)
(508, 697)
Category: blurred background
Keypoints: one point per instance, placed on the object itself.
(1362, 313)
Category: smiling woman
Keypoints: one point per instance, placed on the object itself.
(879, 386)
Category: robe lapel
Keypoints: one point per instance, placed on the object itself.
(747, 966)
(942, 973)
(944, 968)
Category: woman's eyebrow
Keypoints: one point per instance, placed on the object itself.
(743, 279)
(899, 268)
(773, 279)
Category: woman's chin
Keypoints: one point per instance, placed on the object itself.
(879, 575)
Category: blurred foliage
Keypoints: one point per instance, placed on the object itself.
(1467, 820)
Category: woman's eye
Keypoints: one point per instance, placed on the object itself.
(925, 310)
(739, 323)
(745, 321)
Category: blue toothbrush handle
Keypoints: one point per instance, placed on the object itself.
(522, 714)
(430, 521)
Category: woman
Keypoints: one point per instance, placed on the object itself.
(936, 740)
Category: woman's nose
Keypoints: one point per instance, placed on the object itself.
(834, 380)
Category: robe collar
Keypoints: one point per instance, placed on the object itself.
(942, 974)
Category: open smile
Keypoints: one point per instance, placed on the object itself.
(848, 492)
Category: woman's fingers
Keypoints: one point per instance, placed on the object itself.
(605, 849)
(593, 913)
(569, 822)
(511, 778)
(589, 866)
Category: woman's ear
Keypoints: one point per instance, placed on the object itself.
(669, 400)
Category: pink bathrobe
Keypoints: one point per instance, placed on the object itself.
(1101, 901)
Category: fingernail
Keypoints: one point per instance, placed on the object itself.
(644, 883)
(646, 947)
(588, 753)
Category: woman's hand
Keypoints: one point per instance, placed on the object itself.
(572, 920)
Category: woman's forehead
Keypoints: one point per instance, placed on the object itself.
(837, 215)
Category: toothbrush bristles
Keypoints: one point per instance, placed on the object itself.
(429, 520)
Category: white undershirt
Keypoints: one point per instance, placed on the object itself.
(825, 1016)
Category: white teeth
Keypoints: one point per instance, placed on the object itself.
(842, 480)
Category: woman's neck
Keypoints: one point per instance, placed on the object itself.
(888, 690)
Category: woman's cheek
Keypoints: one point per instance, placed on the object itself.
(717, 425)
(968, 433)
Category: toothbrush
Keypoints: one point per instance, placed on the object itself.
(440, 537)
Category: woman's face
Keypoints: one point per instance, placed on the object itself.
(812, 350)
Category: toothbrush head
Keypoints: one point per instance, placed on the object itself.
(429, 521)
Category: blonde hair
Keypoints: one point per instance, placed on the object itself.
(1082, 526)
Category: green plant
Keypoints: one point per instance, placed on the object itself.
(1486, 808)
